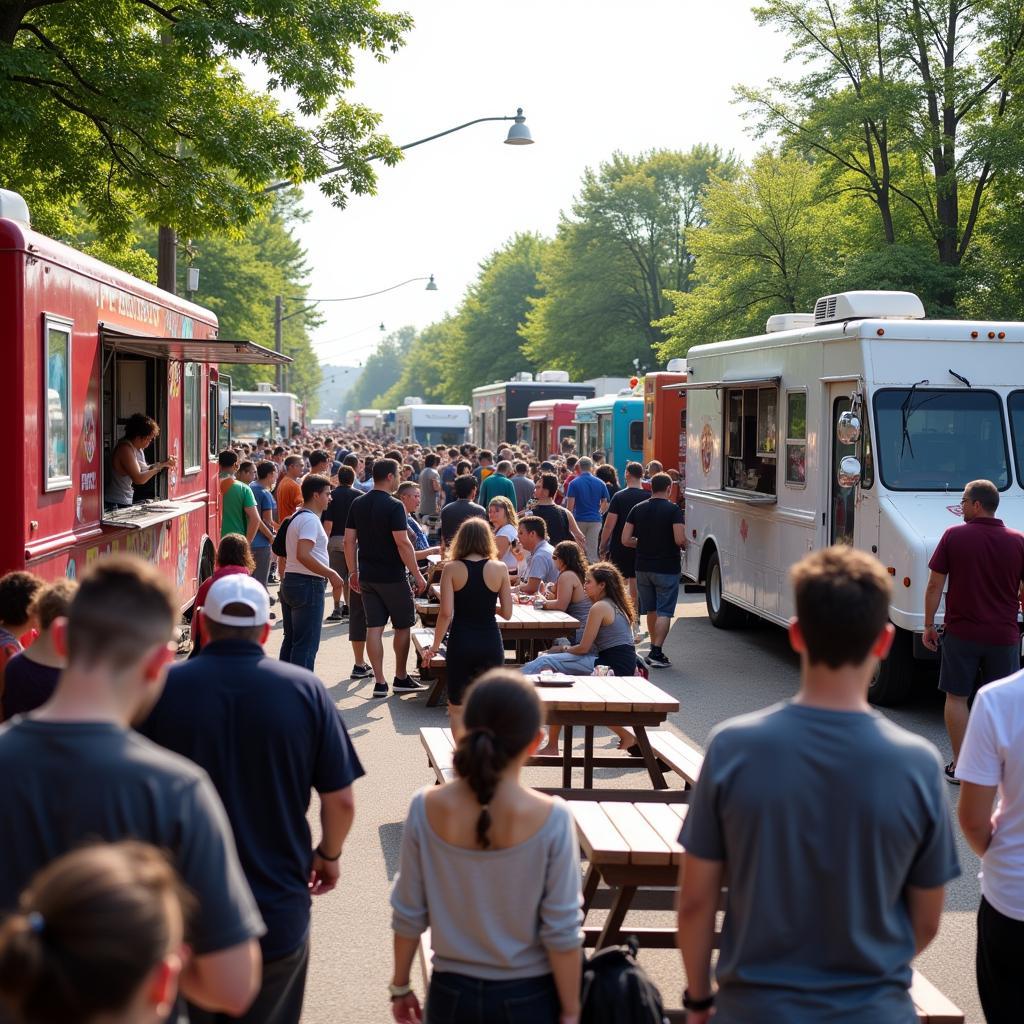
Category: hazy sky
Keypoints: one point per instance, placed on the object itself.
(592, 77)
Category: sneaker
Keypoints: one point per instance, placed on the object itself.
(361, 672)
(344, 611)
(335, 616)
(408, 685)
(380, 689)
(656, 659)
(949, 772)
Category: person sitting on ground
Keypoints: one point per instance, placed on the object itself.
(607, 639)
(233, 556)
(98, 936)
(505, 524)
(491, 867)
(31, 676)
(17, 626)
(470, 582)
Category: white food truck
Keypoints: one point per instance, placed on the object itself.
(857, 424)
(429, 424)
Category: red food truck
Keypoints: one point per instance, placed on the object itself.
(86, 346)
(547, 424)
(665, 421)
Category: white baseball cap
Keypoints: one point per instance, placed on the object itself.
(238, 588)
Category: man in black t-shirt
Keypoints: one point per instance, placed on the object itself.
(611, 546)
(654, 528)
(334, 520)
(377, 528)
(267, 733)
(456, 512)
(71, 777)
(560, 521)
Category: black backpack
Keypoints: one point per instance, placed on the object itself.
(617, 990)
(277, 545)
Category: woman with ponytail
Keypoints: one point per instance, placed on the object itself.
(491, 867)
(97, 937)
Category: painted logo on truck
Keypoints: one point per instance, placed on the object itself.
(707, 448)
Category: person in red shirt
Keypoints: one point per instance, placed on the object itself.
(17, 625)
(984, 564)
(233, 556)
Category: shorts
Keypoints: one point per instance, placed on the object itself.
(336, 556)
(383, 601)
(356, 618)
(962, 660)
(625, 561)
(657, 592)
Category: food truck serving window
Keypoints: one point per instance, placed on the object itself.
(192, 441)
(57, 385)
(796, 438)
(751, 438)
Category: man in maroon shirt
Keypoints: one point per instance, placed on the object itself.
(984, 562)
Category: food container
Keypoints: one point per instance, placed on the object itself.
(538, 602)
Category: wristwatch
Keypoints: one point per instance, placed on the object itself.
(399, 991)
(689, 1003)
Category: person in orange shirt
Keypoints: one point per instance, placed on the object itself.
(288, 495)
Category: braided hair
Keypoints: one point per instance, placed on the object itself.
(502, 715)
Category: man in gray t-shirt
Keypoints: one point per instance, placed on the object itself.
(430, 487)
(830, 823)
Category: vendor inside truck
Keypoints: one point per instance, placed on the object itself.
(128, 466)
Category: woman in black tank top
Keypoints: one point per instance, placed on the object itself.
(472, 583)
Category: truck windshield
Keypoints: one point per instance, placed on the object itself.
(250, 422)
(932, 440)
(1015, 403)
(442, 435)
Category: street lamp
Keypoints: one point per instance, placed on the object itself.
(280, 316)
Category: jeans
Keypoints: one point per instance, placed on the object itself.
(459, 999)
(570, 664)
(302, 607)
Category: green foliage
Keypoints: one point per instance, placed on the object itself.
(605, 278)
(769, 246)
(487, 344)
(382, 370)
(423, 365)
(134, 110)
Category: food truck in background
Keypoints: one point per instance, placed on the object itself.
(613, 424)
(251, 421)
(665, 423)
(369, 421)
(547, 424)
(498, 408)
(86, 346)
(432, 424)
(289, 411)
(859, 423)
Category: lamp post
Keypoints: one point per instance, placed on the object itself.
(280, 316)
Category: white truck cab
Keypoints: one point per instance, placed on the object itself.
(858, 424)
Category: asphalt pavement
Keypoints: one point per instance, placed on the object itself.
(715, 675)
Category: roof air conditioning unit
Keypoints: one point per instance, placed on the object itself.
(788, 322)
(13, 207)
(264, 386)
(677, 366)
(553, 377)
(837, 309)
(412, 400)
(522, 378)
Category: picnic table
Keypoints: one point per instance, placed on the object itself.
(634, 850)
(629, 701)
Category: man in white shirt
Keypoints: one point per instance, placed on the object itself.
(991, 771)
(307, 566)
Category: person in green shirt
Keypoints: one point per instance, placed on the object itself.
(498, 483)
(237, 502)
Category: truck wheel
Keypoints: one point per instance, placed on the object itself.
(722, 614)
(894, 677)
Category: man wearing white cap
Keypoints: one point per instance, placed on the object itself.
(267, 733)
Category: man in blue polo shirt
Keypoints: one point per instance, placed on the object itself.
(267, 733)
(587, 499)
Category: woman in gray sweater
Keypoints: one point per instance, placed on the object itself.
(491, 867)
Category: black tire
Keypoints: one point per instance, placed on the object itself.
(722, 614)
(894, 677)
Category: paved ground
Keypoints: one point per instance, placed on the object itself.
(715, 675)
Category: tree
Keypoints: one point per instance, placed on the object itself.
(487, 345)
(769, 246)
(135, 109)
(627, 242)
(422, 367)
(915, 102)
(382, 370)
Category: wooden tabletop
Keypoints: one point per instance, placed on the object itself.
(524, 617)
(612, 832)
(616, 694)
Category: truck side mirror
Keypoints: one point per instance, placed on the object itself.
(848, 428)
(849, 471)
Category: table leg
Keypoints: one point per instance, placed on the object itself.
(567, 757)
(590, 883)
(611, 933)
(650, 759)
(588, 757)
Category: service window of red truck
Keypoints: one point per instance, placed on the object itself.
(57, 404)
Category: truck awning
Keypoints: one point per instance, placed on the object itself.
(714, 385)
(195, 350)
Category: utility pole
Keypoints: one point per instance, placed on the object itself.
(167, 260)
(278, 322)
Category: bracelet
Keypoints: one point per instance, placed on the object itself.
(399, 991)
(323, 856)
(689, 1003)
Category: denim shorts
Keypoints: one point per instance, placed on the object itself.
(657, 592)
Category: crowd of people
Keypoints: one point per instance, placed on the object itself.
(158, 859)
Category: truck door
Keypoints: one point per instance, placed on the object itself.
(842, 500)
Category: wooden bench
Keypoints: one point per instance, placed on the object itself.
(676, 754)
(437, 670)
(440, 748)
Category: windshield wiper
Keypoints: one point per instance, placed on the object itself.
(906, 409)
(960, 377)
